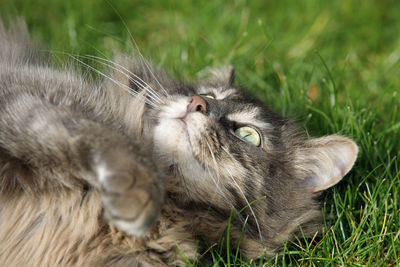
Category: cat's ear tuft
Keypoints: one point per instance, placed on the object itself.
(326, 160)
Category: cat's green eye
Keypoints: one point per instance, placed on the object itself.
(208, 96)
(249, 134)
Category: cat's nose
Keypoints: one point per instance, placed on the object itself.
(197, 104)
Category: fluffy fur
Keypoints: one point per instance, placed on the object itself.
(128, 171)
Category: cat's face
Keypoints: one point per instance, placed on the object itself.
(217, 138)
(230, 150)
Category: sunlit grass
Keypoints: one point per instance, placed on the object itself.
(332, 66)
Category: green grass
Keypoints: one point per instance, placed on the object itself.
(332, 66)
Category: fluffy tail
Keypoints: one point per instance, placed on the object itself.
(16, 46)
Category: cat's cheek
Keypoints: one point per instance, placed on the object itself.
(196, 127)
(171, 140)
(174, 109)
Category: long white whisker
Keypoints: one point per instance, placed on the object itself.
(147, 87)
(128, 89)
(152, 95)
(211, 176)
(218, 176)
(142, 83)
(214, 161)
(137, 48)
(206, 165)
(244, 196)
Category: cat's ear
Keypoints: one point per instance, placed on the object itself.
(225, 75)
(221, 76)
(326, 160)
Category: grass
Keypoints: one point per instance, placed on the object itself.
(332, 66)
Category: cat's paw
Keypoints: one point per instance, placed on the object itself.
(131, 194)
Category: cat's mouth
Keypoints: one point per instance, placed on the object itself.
(183, 124)
(182, 135)
(173, 135)
(178, 134)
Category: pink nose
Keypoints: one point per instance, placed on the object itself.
(197, 104)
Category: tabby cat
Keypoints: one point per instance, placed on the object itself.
(130, 171)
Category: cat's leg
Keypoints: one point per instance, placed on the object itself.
(67, 149)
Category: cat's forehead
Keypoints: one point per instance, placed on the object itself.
(218, 93)
(248, 115)
(239, 106)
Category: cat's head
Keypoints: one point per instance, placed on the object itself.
(231, 152)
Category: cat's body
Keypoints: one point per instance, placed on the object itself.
(91, 175)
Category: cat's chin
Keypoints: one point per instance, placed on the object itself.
(177, 139)
(172, 142)
(171, 136)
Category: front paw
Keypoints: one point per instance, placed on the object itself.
(131, 193)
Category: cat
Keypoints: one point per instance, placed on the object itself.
(130, 170)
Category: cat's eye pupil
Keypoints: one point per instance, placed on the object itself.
(249, 134)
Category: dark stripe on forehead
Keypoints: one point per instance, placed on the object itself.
(238, 106)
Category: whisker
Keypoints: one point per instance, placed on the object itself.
(244, 196)
(215, 182)
(152, 94)
(218, 177)
(219, 191)
(128, 89)
(214, 161)
(137, 48)
(142, 83)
